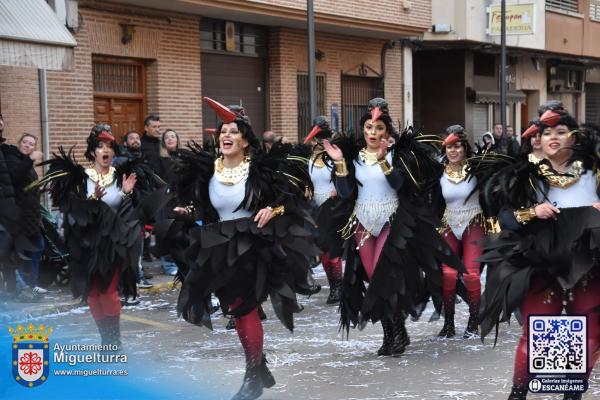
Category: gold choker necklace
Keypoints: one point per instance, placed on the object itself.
(564, 180)
(455, 176)
(231, 176)
(367, 157)
(317, 159)
(103, 180)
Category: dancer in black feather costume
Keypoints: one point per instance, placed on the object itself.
(392, 241)
(102, 227)
(457, 201)
(252, 242)
(545, 260)
(325, 203)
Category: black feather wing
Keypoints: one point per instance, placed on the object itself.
(414, 155)
(193, 169)
(147, 180)
(65, 177)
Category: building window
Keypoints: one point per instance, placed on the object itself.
(484, 64)
(247, 39)
(566, 5)
(304, 122)
(595, 10)
(356, 93)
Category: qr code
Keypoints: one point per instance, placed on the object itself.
(557, 344)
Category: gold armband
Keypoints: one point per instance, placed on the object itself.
(492, 225)
(279, 210)
(341, 169)
(92, 197)
(125, 195)
(189, 210)
(524, 215)
(385, 166)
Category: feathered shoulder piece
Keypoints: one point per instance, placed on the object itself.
(64, 177)
(275, 174)
(193, 169)
(349, 147)
(414, 154)
(587, 148)
(147, 179)
(301, 150)
(505, 180)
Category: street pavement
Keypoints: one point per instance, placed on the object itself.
(315, 362)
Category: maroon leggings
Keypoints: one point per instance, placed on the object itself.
(544, 299)
(105, 303)
(250, 332)
(332, 267)
(470, 250)
(371, 249)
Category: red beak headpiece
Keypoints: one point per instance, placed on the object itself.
(105, 136)
(375, 114)
(531, 131)
(314, 132)
(377, 108)
(320, 128)
(450, 139)
(224, 113)
(550, 118)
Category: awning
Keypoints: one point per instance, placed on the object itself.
(485, 97)
(31, 35)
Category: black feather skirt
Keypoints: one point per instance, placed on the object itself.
(330, 218)
(102, 241)
(237, 260)
(409, 266)
(562, 250)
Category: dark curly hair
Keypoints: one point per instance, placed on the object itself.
(246, 131)
(464, 141)
(93, 143)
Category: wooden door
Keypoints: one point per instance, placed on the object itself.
(119, 95)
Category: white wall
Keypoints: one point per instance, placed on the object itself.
(469, 21)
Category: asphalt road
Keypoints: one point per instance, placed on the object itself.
(314, 362)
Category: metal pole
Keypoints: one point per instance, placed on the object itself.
(504, 142)
(44, 120)
(312, 80)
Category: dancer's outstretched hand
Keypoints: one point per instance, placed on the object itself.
(333, 151)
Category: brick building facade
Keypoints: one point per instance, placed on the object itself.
(159, 47)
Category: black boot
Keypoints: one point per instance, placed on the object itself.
(472, 330)
(448, 329)
(113, 330)
(404, 332)
(261, 313)
(401, 339)
(388, 338)
(256, 379)
(102, 329)
(335, 292)
(231, 324)
(267, 376)
(518, 393)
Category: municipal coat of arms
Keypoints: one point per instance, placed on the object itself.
(30, 354)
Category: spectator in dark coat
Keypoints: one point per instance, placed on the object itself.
(150, 142)
(21, 160)
(169, 144)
